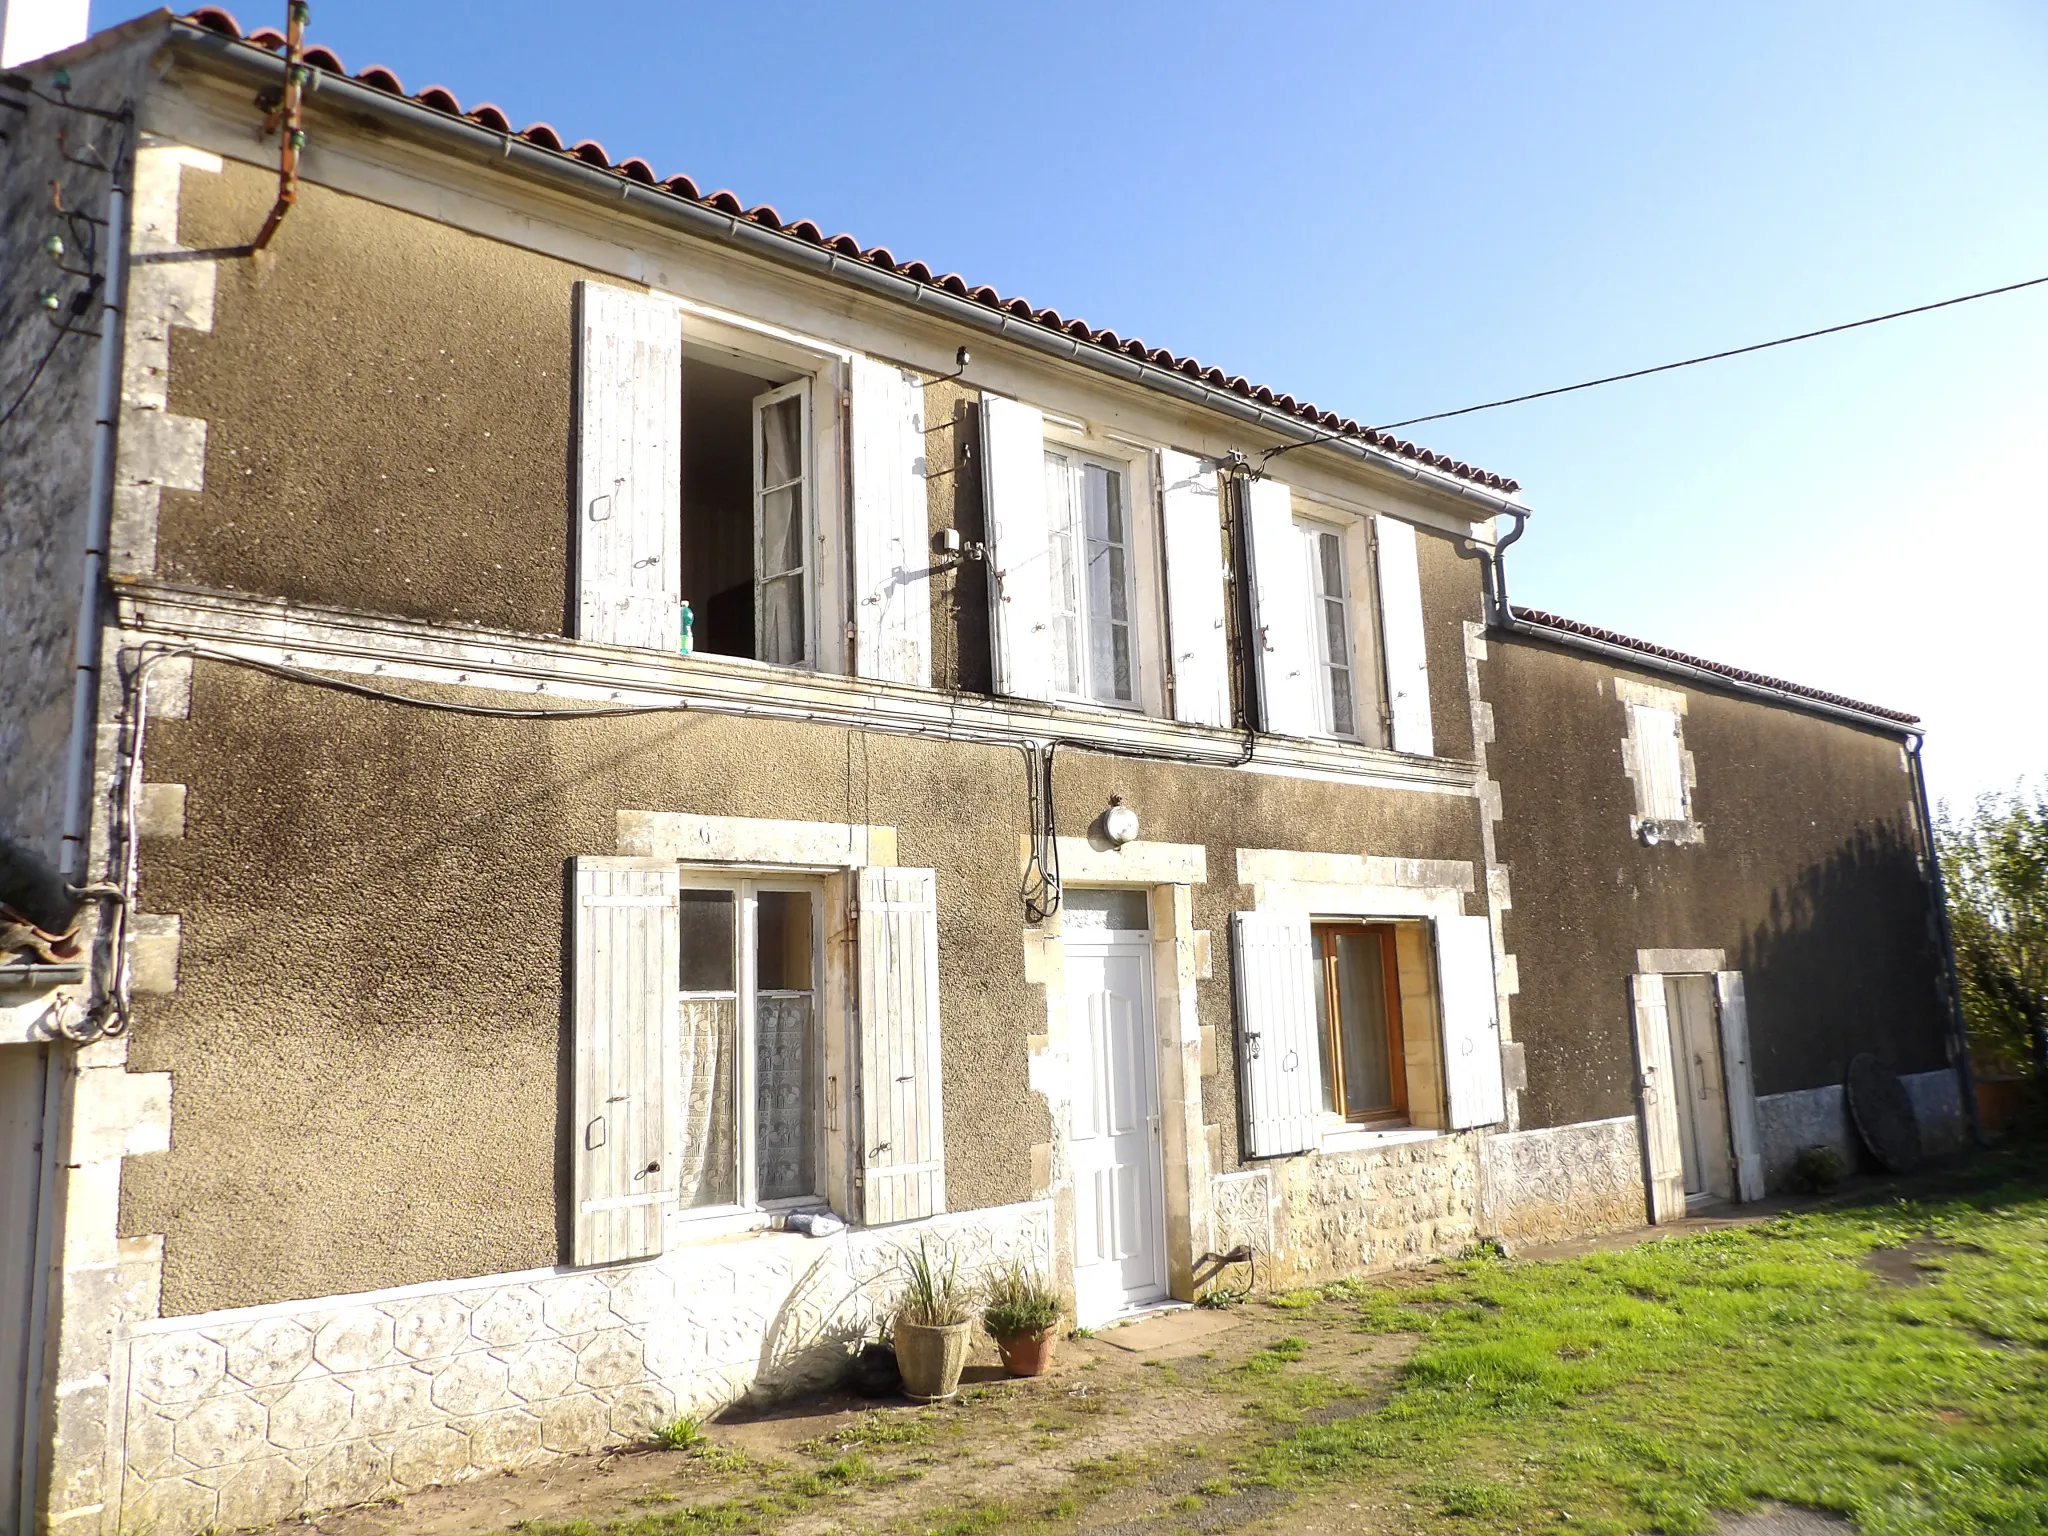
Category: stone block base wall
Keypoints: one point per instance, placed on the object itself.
(1346, 1213)
(248, 1417)
(1568, 1181)
(1819, 1117)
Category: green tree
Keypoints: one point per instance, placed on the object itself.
(1996, 862)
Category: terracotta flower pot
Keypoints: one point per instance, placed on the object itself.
(1028, 1354)
(931, 1359)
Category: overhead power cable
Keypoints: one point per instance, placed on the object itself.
(1711, 357)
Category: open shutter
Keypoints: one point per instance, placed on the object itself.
(629, 468)
(1019, 555)
(1407, 656)
(902, 1150)
(892, 611)
(628, 1020)
(1663, 1159)
(1194, 590)
(1473, 1091)
(1288, 673)
(1742, 1128)
(1279, 1057)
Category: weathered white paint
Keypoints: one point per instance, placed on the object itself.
(1288, 673)
(1402, 636)
(891, 560)
(1473, 1092)
(1279, 1057)
(627, 1046)
(753, 840)
(629, 468)
(1192, 523)
(902, 1157)
(1656, 1089)
(1732, 999)
(1019, 552)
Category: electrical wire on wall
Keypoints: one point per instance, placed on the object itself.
(1041, 890)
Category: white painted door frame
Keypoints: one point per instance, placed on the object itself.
(1119, 1199)
(25, 1221)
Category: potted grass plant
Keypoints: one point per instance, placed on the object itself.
(1022, 1313)
(932, 1325)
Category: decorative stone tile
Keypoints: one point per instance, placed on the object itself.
(311, 1413)
(643, 1293)
(639, 1410)
(392, 1400)
(262, 1492)
(610, 1359)
(577, 1305)
(514, 1316)
(537, 1372)
(570, 1424)
(470, 1384)
(433, 1325)
(221, 1431)
(354, 1340)
(178, 1367)
(508, 1439)
(171, 1504)
(352, 1472)
(422, 1458)
(151, 1449)
(672, 1347)
(271, 1351)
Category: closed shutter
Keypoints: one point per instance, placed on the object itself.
(1473, 1092)
(1663, 1159)
(1279, 1057)
(1742, 1127)
(902, 1150)
(629, 468)
(1288, 671)
(1019, 554)
(1194, 590)
(628, 1052)
(1401, 636)
(1660, 768)
(892, 611)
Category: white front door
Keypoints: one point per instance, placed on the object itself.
(21, 1165)
(1702, 1101)
(1119, 1184)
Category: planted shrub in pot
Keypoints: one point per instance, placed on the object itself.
(932, 1325)
(1022, 1314)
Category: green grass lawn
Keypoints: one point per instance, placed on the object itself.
(1645, 1389)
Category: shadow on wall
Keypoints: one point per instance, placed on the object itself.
(1846, 962)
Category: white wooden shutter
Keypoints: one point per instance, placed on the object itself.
(1407, 655)
(1279, 1056)
(1019, 554)
(892, 609)
(1663, 1159)
(628, 1052)
(902, 1150)
(1473, 1091)
(1660, 768)
(1743, 1135)
(1288, 671)
(629, 468)
(1194, 590)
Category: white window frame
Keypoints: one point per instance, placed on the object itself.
(1313, 529)
(1073, 536)
(799, 389)
(1371, 726)
(746, 891)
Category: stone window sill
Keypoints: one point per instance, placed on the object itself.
(1360, 1138)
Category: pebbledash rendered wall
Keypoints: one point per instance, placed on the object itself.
(247, 1417)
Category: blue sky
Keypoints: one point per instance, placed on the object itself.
(1398, 210)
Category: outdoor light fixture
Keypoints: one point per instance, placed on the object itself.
(1119, 822)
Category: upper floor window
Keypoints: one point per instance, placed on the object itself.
(1088, 524)
(1330, 628)
(1654, 756)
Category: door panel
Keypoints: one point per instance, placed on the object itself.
(1696, 1076)
(1114, 1140)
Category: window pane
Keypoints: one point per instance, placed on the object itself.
(784, 1067)
(1330, 552)
(782, 941)
(708, 1148)
(782, 430)
(782, 619)
(1065, 575)
(1343, 720)
(782, 530)
(1125, 910)
(707, 926)
(1322, 992)
(1362, 1004)
(1109, 585)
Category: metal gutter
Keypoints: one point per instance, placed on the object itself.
(1705, 677)
(500, 150)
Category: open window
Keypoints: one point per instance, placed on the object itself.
(1359, 1021)
(1332, 638)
